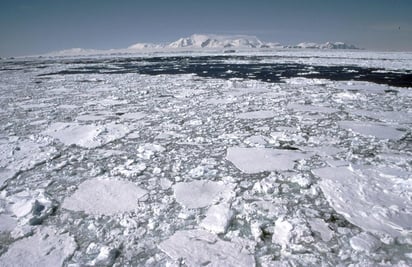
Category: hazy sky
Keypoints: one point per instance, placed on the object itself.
(39, 26)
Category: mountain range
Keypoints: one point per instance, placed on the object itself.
(206, 42)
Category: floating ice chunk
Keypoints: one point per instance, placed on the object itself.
(311, 108)
(88, 136)
(364, 242)
(31, 207)
(199, 194)
(130, 169)
(254, 160)
(375, 203)
(378, 130)
(103, 196)
(282, 233)
(306, 81)
(217, 218)
(46, 248)
(202, 248)
(319, 225)
(106, 257)
(146, 151)
(261, 114)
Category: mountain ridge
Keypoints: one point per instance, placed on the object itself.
(207, 41)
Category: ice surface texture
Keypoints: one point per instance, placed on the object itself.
(289, 158)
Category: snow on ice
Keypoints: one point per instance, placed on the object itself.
(104, 196)
(159, 161)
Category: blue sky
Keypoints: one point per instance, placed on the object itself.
(39, 26)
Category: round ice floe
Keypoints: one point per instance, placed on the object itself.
(45, 248)
(201, 248)
(254, 160)
(199, 194)
(102, 196)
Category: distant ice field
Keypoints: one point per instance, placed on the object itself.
(293, 158)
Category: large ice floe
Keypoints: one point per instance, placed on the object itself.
(104, 196)
(277, 159)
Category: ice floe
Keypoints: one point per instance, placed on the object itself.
(202, 248)
(381, 131)
(104, 196)
(199, 194)
(217, 218)
(47, 247)
(259, 114)
(87, 136)
(372, 202)
(254, 160)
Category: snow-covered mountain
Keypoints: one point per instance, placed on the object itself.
(204, 41)
(216, 41)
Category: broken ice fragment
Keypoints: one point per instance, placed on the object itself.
(217, 218)
(364, 242)
(261, 114)
(201, 248)
(199, 194)
(254, 160)
(103, 196)
(282, 233)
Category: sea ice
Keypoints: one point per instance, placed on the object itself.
(45, 248)
(260, 114)
(364, 242)
(88, 136)
(103, 196)
(199, 194)
(202, 248)
(22, 155)
(381, 131)
(311, 108)
(375, 203)
(254, 160)
(217, 218)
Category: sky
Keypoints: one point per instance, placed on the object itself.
(29, 27)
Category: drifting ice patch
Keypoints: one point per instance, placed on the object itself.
(376, 203)
(217, 218)
(199, 194)
(101, 196)
(87, 136)
(45, 248)
(261, 114)
(201, 248)
(378, 130)
(254, 160)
